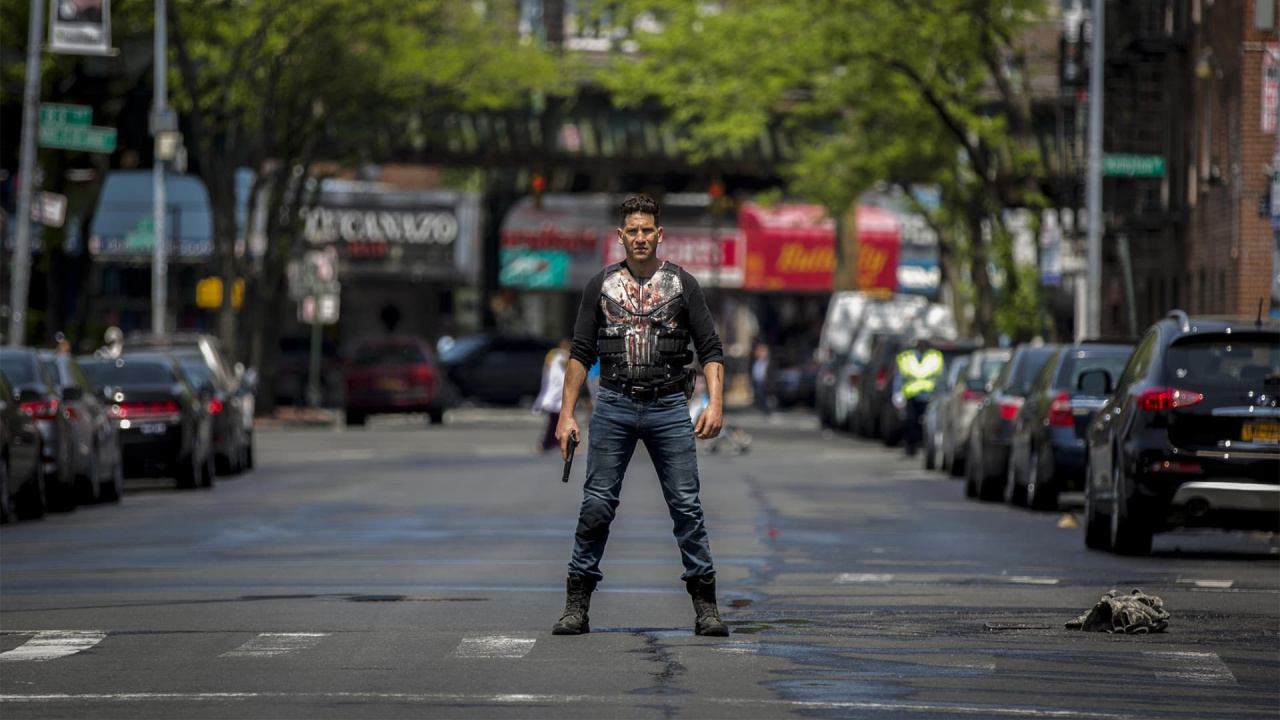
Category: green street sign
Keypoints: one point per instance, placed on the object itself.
(1134, 166)
(87, 138)
(62, 114)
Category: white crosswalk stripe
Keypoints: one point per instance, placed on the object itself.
(50, 644)
(494, 646)
(274, 644)
(1202, 668)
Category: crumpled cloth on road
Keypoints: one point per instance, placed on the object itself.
(1134, 614)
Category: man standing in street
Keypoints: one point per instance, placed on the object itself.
(918, 369)
(638, 317)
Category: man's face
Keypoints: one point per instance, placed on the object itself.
(640, 236)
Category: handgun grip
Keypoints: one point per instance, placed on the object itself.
(568, 463)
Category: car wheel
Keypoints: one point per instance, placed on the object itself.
(930, 455)
(209, 470)
(988, 489)
(435, 415)
(89, 486)
(1040, 493)
(970, 478)
(354, 417)
(1129, 535)
(30, 502)
(1097, 532)
(1014, 494)
(188, 473)
(6, 500)
(248, 453)
(112, 491)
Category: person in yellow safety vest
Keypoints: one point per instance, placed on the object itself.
(919, 369)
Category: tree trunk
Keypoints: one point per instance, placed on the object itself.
(984, 309)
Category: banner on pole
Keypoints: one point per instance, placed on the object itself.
(80, 27)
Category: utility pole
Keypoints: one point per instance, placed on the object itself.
(160, 251)
(26, 178)
(1093, 181)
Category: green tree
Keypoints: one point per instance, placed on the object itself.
(875, 91)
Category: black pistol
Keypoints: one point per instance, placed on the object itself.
(568, 463)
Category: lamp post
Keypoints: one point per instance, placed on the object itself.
(26, 176)
(1093, 181)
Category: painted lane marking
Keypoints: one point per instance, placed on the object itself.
(1031, 580)
(1222, 584)
(50, 644)
(273, 644)
(915, 708)
(849, 578)
(739, 647)
(494, 646)
(1197, 667)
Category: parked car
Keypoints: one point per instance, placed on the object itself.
(40, 398)
(293, 368)
(1189, 435)
(494, 368)
(937, 408)
(991, 432)
(876, 318)
(96, 456)
(393, 374)
(164, 423)
(232, 440)
(893, 414)
(233, 388)
(1048, 450)
(794, 386)
(966, 399)
(875, 385)
(22, 479)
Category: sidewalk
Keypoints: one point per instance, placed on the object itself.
(300, 417)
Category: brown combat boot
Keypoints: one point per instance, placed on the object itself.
(577, 603)
(707, 622)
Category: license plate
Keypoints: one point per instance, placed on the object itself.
(1260, 431)
(153, 428)
(391, 384)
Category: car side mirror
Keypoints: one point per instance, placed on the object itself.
(1095, 382)
(107, 393)
(250, 380)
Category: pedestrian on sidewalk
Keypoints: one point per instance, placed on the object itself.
(760, 378)
(550, 396)
(638, 317)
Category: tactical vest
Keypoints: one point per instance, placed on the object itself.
(919, 376)
(643, 337)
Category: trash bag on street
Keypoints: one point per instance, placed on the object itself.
(1134, 614)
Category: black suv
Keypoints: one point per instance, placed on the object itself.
(1190, 435)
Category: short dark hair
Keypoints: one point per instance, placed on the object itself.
(638, 204)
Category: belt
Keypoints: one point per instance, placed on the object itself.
(643, 392)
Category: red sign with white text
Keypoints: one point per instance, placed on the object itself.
(878, 243)
(790, 248)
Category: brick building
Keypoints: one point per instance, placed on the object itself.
(1187, 80)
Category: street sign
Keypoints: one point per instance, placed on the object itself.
(1134, 166)
(62, 114)
(70, 137)
(49, 209)
(319, 309)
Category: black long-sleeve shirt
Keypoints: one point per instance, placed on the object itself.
(671, 298)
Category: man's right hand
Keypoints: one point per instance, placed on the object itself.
(566, 428)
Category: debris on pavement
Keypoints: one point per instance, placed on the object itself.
(1134, 614)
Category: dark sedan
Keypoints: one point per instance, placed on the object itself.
(21, 469)
(40, 398)
(990, 435)
(231, 442)
(1049, 434)
(494, 368)
(165, 428)
(394, 374)
(96, 454)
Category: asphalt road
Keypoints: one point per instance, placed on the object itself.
(407, 571)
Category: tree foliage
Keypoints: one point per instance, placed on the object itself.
(914, 91)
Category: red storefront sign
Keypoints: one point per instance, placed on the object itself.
(789, 248)
(878, 243)
(716, 260)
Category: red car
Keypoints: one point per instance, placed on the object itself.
(393, 374)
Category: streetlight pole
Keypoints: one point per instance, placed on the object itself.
(27, 179)
(1093, 180)
(160, 250)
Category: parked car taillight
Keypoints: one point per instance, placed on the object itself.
(973, 395)
(41, 409)
(142, 408)
(1156, 399)
(1060, 412)
(215, 406)
(854, 380)
(422, 374)
(1009, 408)
(882, 378)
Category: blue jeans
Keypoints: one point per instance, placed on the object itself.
(664, 426)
